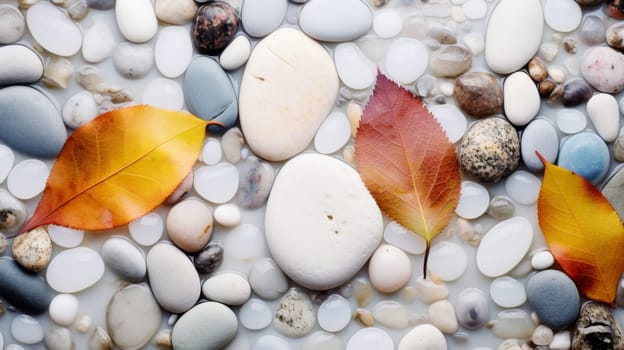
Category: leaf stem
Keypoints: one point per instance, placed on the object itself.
(426, 258)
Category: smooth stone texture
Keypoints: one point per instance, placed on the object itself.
(30, 122)
(256, 180)
(553, 296)
(74, 270)
(474, 200)
(615, 36)
(576, 92)
(147, 229)
(290, 80)
(79, 109)
(164, 93)
(540, 135)
(23, 290)
(603, 68)
(271, 342)
(370, 338)
(586, 154)
(507, 292)
(324, 241)
(429, 291)
(133, 61)
(190, 224)
(136, 20)
(523, 187)
(596, 328)
(447, 261)
(228, 288)
(173, 51)
(399, 236)
(63, 309)
(7, 159)
(593, 30)
(267, 280)
(243, 246)
(512, 323)
(204, 77)
(542, 260)
(423, 337)
(98, 43)
(214, 26)
(328, 20)
(27, 179)
(406, 60)
(236, 54)
(472, 308)
(26, 330)
(391, 314)
(211, 151)
(207, 326)
(521, 99)
(450, 61)
(389, 269)
(334, 314)
(173, 279)
(12, 24)
(503, 246)
(513, 34)
(294, 316)
(571, 121)
(478, 94)
(132, 316)
(333, 134)
(255, 314)
(604, 112)
(19, 65)
(562, 15)
(216, 183)
(209, 259)
(175, 11)
(58, 338)
(53, 30)
(323, 341)
(227, 215)
(124, 258)
(442, 315)
(387, 24)
(261, 17)
(354, 68)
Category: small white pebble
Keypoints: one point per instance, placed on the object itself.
(548, 51)
(561, 341)
(83, 324)
(211, 152)
(474, 200)
(542, 335)
(63, 309)
(557, 74)
(447, 88)
(542, 260)
(227, 214)
(475, 42)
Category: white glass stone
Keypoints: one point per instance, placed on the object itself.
(405, 239)
(562, 15)
(447, 260)
(26, 330)
(452, 120)
(504, 246)
(387, 24)
(406, 60)
(173, 51)
(164, 93)
(571, 121)
(74, 270)
(333, 133)
(28, 178)
(147, 229)
(475, 9)
(473, 201)
(216, 183)
(370, 338)
(255, 314)
(63, 309)
(271, 342)
(242, 247)
(507, 292)
(322, 341)
(211, 152)
(334, 314)
(53, 30)
(7, 159)
(523, 187)
(354, 68)
(64, 236)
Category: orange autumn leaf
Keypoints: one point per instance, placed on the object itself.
(118, 167)
(406, 161)
(583, 231)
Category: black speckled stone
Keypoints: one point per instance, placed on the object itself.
(214, 27)
(596, 329)
(209, 259)
(24, 290)
(554, 297)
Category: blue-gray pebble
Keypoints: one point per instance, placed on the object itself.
(31, 123)
(22, 289)
(554, 297)
(540, 135)
(586, 154)
(209, 93)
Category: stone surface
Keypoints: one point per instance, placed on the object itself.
(190, 224)
(33, 249)
(175, 11)
(214, 27)
(389, 269)
(98, 43)
(228, 288)
(553, 296)
(79, 109)
(236, 54)
(503, 246)
(472, 308)
(63, 309)
(604, 112)
(19, 65)
(424, 336)
(327, 20)
(12, 24)
(586, 154)
(603, 68)
(593, 30)
(136, 20)
(53, 30)
(596, 328)
(173, 51)
(260, 17)
(575, 92)
(450, 61)
(207, 326)
(256, 180)
(133, 61)
(354, 68)
(124, 258)
(478, 94)
(23, 290)
(295, 316)
(267, 280)
(209, 259)
(541, 136)
(74, 270)
(520, 98)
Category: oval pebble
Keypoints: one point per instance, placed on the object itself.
(542, 260)
(227, 215)
(472, 308)
(475, 9)
(585, 154)
(136, 20)
(452, 121)
(554, 297)
(147, 229)
(442, 315)
(391, 314)
(190, 224)
(19, 65)
(74, 270)
(399, 236)
(214, 26)
(7, 159)
(12, 27)
(512, 323)
(133, 61)
(216, 183)
(507, 292)
(294, 316)
(571, 121)
(236, 53)
(540, 135)
(53, 30)
(211, 152)
(209, 259)
(261, 17)
(520, 98)
(173, 51)
(562, 15)
(593, 30)
(603, 68)
(124, 258)
(207, 326)
(98, 43)
(26, 330)
(523, 187)
(424, 336)
(27, 178)
(267, 280)
(370, 338)
(334, 314)
(429, 291)
(354, 68)
(473, 201)
(333, 133)
(406, 60)
(63, 309)
(242, 247)
(604, 112)
(447, 261)
(503, 246)
(271, 342)
(163, 93)
(327, 20)
(23, 290)
(323, 341)
(255, 315)
(387, 24)
(79, 109)
(227, 288)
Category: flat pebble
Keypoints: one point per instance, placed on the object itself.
(603, 68)
(507, 292)
(406, 60)
(592, 30)
(424, 336)
(209, 259)
(604, 112)
(326, 20)
(260, 17)
(478, 94)
(133, 61)
(512, 323)
(554, 297)
(429, 291)
(63, 309)
(227, 288)
(586, 154)
(256, 180)
(271, 342)
(58, 338)
(447, 261)
(387, 24)
(472, 308)
(452, 121)
(74, 270)
(323, 341)
(503, 246)
(334, 314)
(354, 68)
(136, 20)
(7, 159)
(521, 99)
(216, 183)
(175, 11)
(19, 64)
(227, 214)
(370, 338)
(542, 260)
(26, 330)
(255, 315)
(473, 201)
(523, 187)
(79, 109)
(12, 24)
(562, 15)
(53, 30)
(243, 246)
(98, 43)
(147, 229)
(173, 51)
(64, 236)
(163, 93)
(267, 280)
(236, 54)
(450, 61)
(33, 249)
(541, 136)
(399, 236)
(207, 326)
(442, 316)
(571, 121)
(190, 224)
(391, 314)
(295, 315)
(124, 258)
(25, 291)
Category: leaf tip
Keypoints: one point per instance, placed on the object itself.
(542, 158)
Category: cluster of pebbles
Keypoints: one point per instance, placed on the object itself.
(272, 241)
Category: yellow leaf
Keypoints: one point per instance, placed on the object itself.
(118, 167)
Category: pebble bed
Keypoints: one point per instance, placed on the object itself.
(273, 242)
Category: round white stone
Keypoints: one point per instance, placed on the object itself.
(227, 214)
(227, 288)
(26, 330)
(133, 61)
(211, 152)
(504, 246)
(333, 133)
(147, 229)
(507, 292)
(255, 314)
(98, 43)
(74, 270)
(473, 201)
(389, 269)
(520, 98)
(405, 239)
(261, 17)
(322, 241)
(7, 159)
(136, 19)
(406, 60)
(79, 109)
(604, 112)
(164, 93)
(53, 30)
(216, 183)
(424, 336)
(523, 187)
(267, 280)
(475, 9)
(387, 24)
(370, 338)
(28, 178)
(562, 15)
(354, 68)
(571, 121)
(452, 120)
(334, 314)
(63, 309)
(236, 53)
(542, 260)
(447, 261)
(173, 51)
(64, 236)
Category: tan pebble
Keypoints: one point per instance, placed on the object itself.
(26, 4)
(429, 291)
(348, 153)
(354, 113)
(537, 69)
(364, 317)
(232, 143)
(362, 291)
(465, 231)
(442, 316)
(447, 88)
(569, 44)
(57, 72)
(77, 9)
(175, 11)
(408, 294)
(510, 344)
(546, 87)
(83, 323)
(442, 35)
(163, 338)
(557, 74)
(190, 224)
(33, 249)
(100, 340)
(457, 13)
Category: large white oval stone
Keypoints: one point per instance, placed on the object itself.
(604, 112)
(520, 98)
(53, 30)
(74, 269)
(288, 88)
(504, 245)
(513, 34)
(173, 51)
(136, 20)
(321, 223)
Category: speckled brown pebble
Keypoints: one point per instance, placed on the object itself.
(490, 150)
(597, 329)
(33, 249)
(537, 69)
(295, 316)
(546, 87)
(478, 94)
(214, 26)
(615, 8)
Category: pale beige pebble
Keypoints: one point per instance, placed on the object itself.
(227, 215)
(542, 335)
(391, 314)
(457, 13)
(362, 291)
(163, 338)
(423, 337)
(33, 249)
(442, 316)
(447, 87)
(429, 291)
(409, 294)
(175, 11)
(537, 69)
(26, 4)
(58, 338)
(83, 323)
(354, 113)
(389, 269)
(475, 42)
(100, 340)
(415, 26)
(190, 224)
(89, 77)
(348, 153)
(548, 51)
(464, 230)
(57, 72)
(364, 317)
(232, 142)
(557, 74)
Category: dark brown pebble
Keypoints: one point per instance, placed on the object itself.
(546, 87)
(556, 94)
(569, 44)
(209, 259)
(576, 92)
(537, 69)
(478, 94)
(214, 27)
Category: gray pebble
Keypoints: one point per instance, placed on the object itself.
(209, 259)
(472, 308)
(207, 326)
(21, 289)
(501, 207)
(124, 258)
(541, 136)
(256, 180)
(101, 4)
(554, 298)
(593, 30)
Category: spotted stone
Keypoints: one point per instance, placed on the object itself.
(214, 27)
